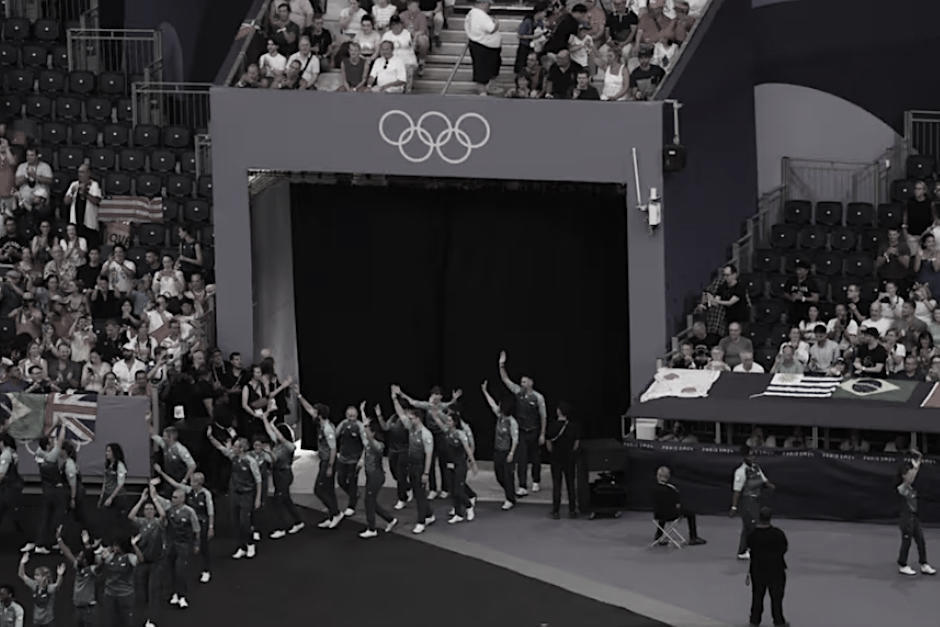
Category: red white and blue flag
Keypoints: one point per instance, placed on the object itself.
(76, 413)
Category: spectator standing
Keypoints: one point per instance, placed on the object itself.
(918, 216)
(894, 260)
(120, 270)
(417, 24)
(284, 31)
(190, 257)
(581, 47)
(734, 345)
(800, 290)
(658, 30)
(526, 33)
(485, 44)
(32, 176)
(621, 30)
(7, 178)
(566, 28)
(83, 197)
(731, 296)
(768, 569)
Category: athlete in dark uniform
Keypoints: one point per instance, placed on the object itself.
(182, 529)
(504, 446)
(396, 439)
(375, 479)
(420, 454)
(54, 493)
(11, 483)
(84, 603)
(325, 487)
(261, 452)
(118, 565)
(461, 458)
(151, 543)
(439, 456)
(110, 500)
(910, 519)
(749, 483)
(76, 489)
(244, 491)
(178, 462)
(43, 588)
(283, 454)
(532, 418)
(200, 499)
(350, 444)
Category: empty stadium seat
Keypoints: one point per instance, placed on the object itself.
(838, 287)
(38, 106)
(828, 263)
(60, 58)
(137, 254)
(162, 160)
(34, 56)
(117, 184)
(754, 283)
(188, 162)
(813, 237)
(124, 110)
(150, 185)
(131, 160)
(794, 257)
(70, 157)
(902, 190)
(19, 81)
(60, 182)
(769, 311)
(16, 29)
(766, 261)
(115, 135)
(758, 334)
(68, 108)
(859, 265)
(7, 330)
(174, 237)
(9, 55)
(204, 186)
(797, 212)
(783, 236)
(98, 109)
(829, 213)
(765, 357)
(111, 84)
(51, 82)
(10, 105)
(827, 310)
(196, 211)
(81, 82)
(860, 214)
(102, 159)
(150, 234)
(843, 238)
(146, 136)
(872, 239)
(46, 30)
(54, 133)
(208, 259)
(207, 238)
(777, 283)
(84, 134)
(179, 185)
(869, 290)
(171, 209)
(890, 215)
(176, 137)
(920, 167)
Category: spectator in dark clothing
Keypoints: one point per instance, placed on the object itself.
(911, 372)
(563, 439)
(104, 302)
(645, 77)
(567, 26)
(667, 507)
(800, 291)
(768, 572)
(562, 76)
(918, 215)
(583, 90)
(284, 31)
(894, 261)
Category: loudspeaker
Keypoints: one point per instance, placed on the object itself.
(673, 158)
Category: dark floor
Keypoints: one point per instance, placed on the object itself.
(335, 579)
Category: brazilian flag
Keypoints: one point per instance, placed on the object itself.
(23, 415)
(870, 389)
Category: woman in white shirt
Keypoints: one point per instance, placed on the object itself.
(581, 47)
(272, 63)
(890, 301)
(485, 44)
(402, 41)
(800, 348)
(82, 338)
(34, 358)
(75, 247)
(367, 38)
(169, 281)
(94, 372)
(808, 326)
(896, 352)
(616, 78)
(382, 13)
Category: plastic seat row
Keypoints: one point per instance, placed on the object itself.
(827, 263)
(33, 56)
(115, 135)
(815, 237)
(152, 185)
(65, 108)
(19, 29)
(77, 82)
(830, 213)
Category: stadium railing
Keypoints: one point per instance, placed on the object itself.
(84, 12)
(131, 51)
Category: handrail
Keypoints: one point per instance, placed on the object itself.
(256, 24)
(453, 72)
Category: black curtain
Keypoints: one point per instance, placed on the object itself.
(424, 287)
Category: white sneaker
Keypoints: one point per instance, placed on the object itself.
(336, 520)
(907, 570)
(535, 487)
(927, 569)
(455, 519)
(391, 525)
(444, 494)
(411, 495)
(296, 528)
(256, 536)
(237, 555)
(277, 535)
(521, 492)
(29, 546)
(430, 520)
(349, 512)
(745, 556)
(419, 528)
(41, 550)
(325, 524)
(508, 505)
(183, 603)
(150, 623)
(369, 533)
(251, 551)
(175, 600)
(470, 514)
(432, 495)
(451, 511)
(205, 576)
(399, 505)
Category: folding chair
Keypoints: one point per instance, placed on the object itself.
(670, 532)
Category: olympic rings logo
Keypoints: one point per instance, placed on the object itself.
(449, 138)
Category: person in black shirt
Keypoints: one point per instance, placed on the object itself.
(732, 295)
(870, 356)
(918, 215)
(562, 76)
(622, 23)
(768, 572)
(910, 520)
(667, 506)
(11, 244)
(567, 26)
(583, 90)
(321, 41)
(646, 76)
(800, 291)
(284, 31)
(562, 439)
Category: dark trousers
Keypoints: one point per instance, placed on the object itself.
(528, 454)
(440, 460)
(760, 586)
(347, 476)
(563, 470)
(504, 474)
(204, 545)
(149, 583)
(10, 498)
(178, 557)
(51, 513)
(325, 488)
(243, 504)
(289, 516)
(86, 616)
(374, 483)
(748, 509)
(415, 470)
(398, 464)
(910, 530)
(458, 474)
(112, 520)
(118, 611)
(689, 517)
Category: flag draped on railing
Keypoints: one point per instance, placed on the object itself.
(31, 416)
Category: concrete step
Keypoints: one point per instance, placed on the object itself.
(506, 24)
(456, 87)
(458, 36)
(453, 49)
(508, 57)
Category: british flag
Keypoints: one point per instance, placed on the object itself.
(76, 413)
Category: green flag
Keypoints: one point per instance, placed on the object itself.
(869, 389)
(23, 415)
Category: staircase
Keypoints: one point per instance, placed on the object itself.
(440, 62)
